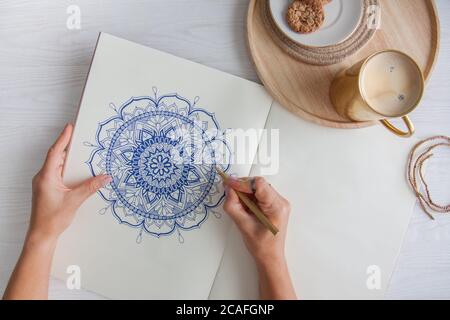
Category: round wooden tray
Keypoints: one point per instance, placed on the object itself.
(410, 26)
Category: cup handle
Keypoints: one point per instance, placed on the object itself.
(398, 132)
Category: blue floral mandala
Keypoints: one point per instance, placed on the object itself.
(162, 154)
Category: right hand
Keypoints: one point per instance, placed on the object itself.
(262, 244)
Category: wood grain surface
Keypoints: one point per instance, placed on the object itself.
(43, 66)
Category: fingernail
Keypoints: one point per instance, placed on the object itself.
(227, 189)
(232, 180)
(105, 180)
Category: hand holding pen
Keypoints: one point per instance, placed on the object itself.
(267, 249)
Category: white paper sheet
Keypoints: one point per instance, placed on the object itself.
(111, 262)
(351, 206)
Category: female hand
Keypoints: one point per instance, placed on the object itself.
(54, 204)
(53, 209)
(267, 249)
(261, 243)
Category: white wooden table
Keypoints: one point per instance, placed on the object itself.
(43, 65)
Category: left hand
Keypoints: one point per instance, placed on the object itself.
(54, 204)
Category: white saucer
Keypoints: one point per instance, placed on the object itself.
(341, 19)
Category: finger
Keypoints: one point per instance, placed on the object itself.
(55, 154)
(234, 208)
(264, 193)
(64, 138)
(242, 184)
(61, 166)
(79, 194)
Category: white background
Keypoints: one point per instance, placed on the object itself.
(43, 66)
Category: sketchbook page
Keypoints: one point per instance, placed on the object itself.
(158, 230)
(351, 206)
(237, 277)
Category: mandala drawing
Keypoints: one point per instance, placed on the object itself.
(162, 154)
